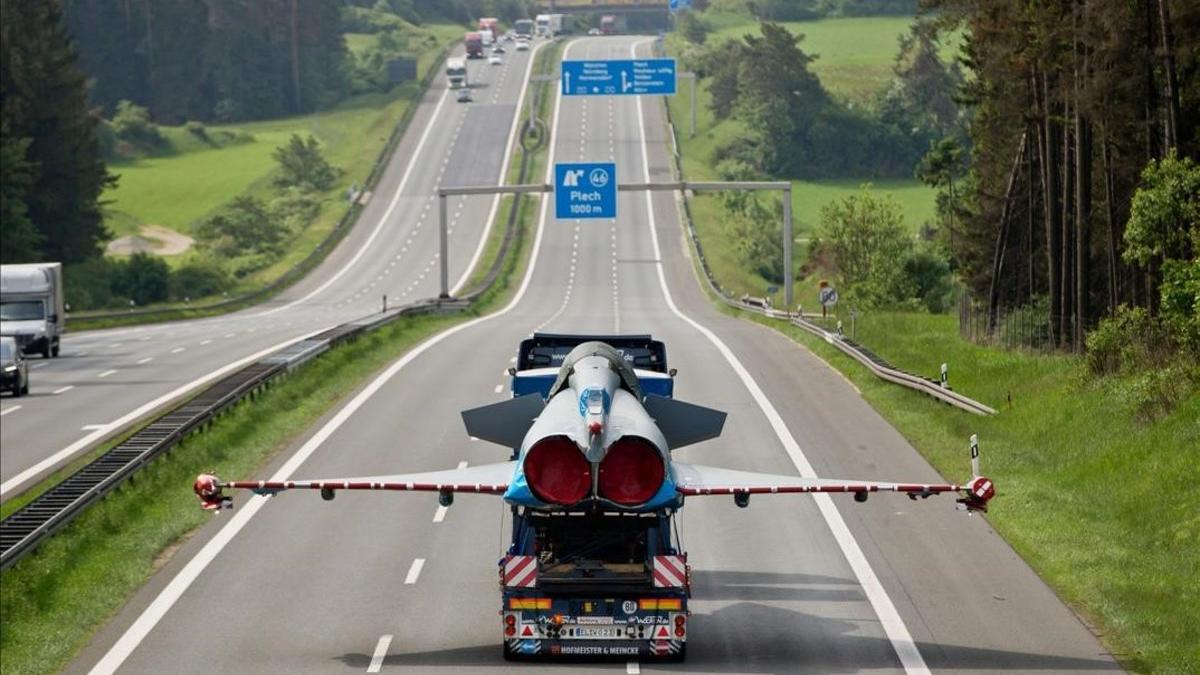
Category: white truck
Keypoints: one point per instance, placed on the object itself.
(549, 25)
(456, 73)
(31, 306)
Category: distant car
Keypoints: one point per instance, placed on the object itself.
(15, 369)
(495, 60)
(464, 95)
(509, 36)
(522, 45)
(498, 49)
(594, 31)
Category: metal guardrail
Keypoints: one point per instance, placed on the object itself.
(24, 529)
(872, 361)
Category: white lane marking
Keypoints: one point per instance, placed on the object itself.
(107, 373)
(33, 471)
(93, 427)
(385, 219)
(381, 648)
(177, 350)
(499, 388)
(229, 335)
(205, 342)
(116, 345)
(414, 571)
(512, 359)
(633, 668)
(148, 359)
(11, 408)
(501, 179)
(63, 390)
(440, 515)
(162, 603)
(893, 626)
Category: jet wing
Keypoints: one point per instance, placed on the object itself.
(697, 480)
(485, 479)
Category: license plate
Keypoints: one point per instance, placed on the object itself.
(597, 632)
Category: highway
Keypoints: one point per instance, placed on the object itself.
(106, 377)
(383, 582)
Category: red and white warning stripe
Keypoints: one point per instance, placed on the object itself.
(670, 571)
(520, 571)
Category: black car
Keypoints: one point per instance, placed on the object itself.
(14, 369)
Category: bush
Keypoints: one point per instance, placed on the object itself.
(244, 227)
(143, 278)
(198, 279)
(1129, 342)
(302, 166)
(1180, 297)
(928, 280)
(198, 130)
(865, 236)
(295, 209)
(132, 124)
(1153, 394)
(88, 285)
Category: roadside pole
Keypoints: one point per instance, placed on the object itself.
(788, 242)
(443, 247)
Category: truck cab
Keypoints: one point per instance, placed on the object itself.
(600, 582)
(32, 311)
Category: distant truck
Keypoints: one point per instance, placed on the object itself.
(490, 24)
(474, 43)
(456, 73)
(549, 25)
(611, 25)
(31, 306)
(523, 28)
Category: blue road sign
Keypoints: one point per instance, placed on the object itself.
(618, 76)
(585, 190)
(676, 5)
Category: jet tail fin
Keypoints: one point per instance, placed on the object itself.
(505, 422)
(684, 423)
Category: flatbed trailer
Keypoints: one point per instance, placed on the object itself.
(593, 583)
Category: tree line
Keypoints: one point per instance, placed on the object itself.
(1082, 190)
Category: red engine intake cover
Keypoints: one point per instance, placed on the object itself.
(632, 472)
(557, 471)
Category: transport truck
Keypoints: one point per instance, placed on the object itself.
(490, 24)
(594, 581)
(549, 25)
(608, 25)
(456, 73)
(474, 44)
(31, 306)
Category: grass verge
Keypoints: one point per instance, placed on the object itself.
(52, 602)
(1085, 495)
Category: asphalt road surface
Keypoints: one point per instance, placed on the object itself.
(104, 376)
(795, 583)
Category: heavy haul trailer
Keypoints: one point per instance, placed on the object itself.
(593, 582)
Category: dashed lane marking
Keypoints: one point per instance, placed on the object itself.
(381, 649)
(63, 390)
(107, 373)
(11, 408)
(414, 571)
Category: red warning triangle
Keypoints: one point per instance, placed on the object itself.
(528, 631)
(662, 632)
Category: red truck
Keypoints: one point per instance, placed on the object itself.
(474, 43)
(608, 25)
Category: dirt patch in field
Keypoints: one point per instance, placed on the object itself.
(151, 239)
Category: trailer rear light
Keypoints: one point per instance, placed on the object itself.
(557, 471)
(679, 620)
(510, 619)
(660, 603)
(530, 603)
(678, 631)
(510, 631)
(632, 471)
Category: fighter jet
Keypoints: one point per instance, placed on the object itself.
(598, 440)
